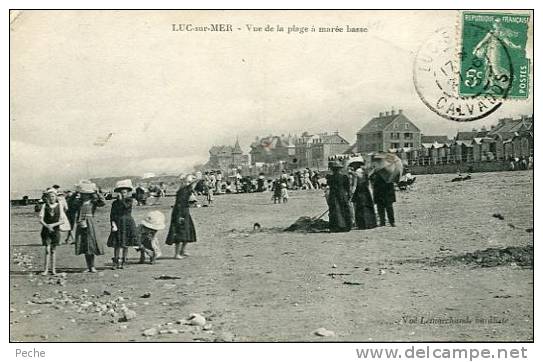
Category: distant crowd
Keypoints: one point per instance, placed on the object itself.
(215, 183)
(521, 163)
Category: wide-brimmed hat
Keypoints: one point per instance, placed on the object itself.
(51, 191)
(154, 220)
(335, 164)
(123, 184)
(356, 161)
(86, 187)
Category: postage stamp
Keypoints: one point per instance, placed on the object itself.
(436, 77)
(493, 55)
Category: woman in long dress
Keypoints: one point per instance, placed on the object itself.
(182, 230)
(364, 209)
(340, 218)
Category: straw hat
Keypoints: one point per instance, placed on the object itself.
(123, 184)
(51, 191)
(86, 187)
(154, 220)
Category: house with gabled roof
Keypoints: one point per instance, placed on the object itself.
(273, 149)
(513, 137)
(389, 131)
(313, 150)
(226, 157)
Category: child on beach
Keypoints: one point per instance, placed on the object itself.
(51, 217)
(123, 226)
(284, 192)
(277, 193)
(146, 233)
(182, 230)
(86, 240)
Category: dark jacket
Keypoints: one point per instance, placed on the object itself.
(383, 192)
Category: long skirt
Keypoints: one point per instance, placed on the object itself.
(86, 241)
(339, 215)
(365, 216)
(125, 235)
(181, 230)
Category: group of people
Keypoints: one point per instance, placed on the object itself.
(521, 163)
(351, 196)
(211, 183)
(59, 214)
(351, 201)
(142, 193)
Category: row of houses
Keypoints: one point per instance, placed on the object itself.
(306, 150)
(509, 139)
(389, 131)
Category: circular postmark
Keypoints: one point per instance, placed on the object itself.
(440, 68)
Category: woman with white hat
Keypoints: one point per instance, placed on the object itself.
(182, 230)
(86, 240)
(123, 227)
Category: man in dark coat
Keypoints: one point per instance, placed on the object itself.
(384, 196)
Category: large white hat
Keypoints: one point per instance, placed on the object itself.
(188, 179)
(86, 187)
(123, 184)
(154, 220)
(357, 160)
(51, 191)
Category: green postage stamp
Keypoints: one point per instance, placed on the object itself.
(493, 57)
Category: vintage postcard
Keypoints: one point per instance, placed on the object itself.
(271, 176)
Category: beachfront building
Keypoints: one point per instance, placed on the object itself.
(313, 150)
(226, 158)
(509, 139)
(273, 149)
(513, 137)
(389, 132)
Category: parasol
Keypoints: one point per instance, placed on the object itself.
(388, 166)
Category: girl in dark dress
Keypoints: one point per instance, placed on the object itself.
(340, 219)
(182, 229)
(86, 240)
(363, 202)
(123, 227)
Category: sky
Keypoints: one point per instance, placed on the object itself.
(167, 96)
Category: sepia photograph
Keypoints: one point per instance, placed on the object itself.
(271, 176)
